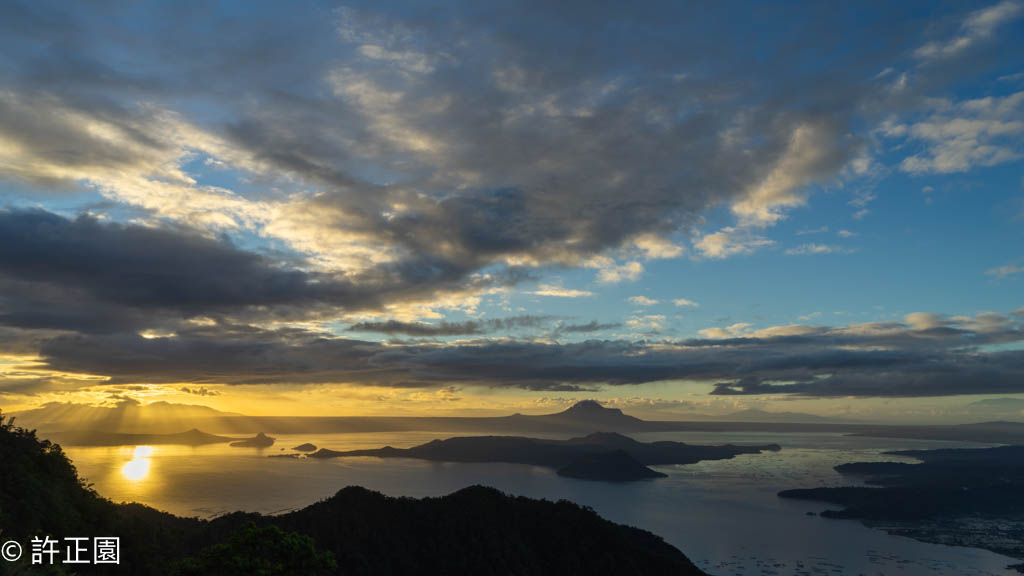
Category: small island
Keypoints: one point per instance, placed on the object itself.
(600, 456)
(307, 447)
(260, 440)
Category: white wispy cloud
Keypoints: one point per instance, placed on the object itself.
(1005, 271)
(646, 323)
(978, 26)
(616, 273)
(809, 231)
(959, 136)
(732, 331)
(813, 248)
(730, 241)
(642, 301)
(684, 303)
(560, 292)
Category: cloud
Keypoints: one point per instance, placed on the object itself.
(819, 230)
(814, 248)
(656, 247)
(94, 276)
(443, 328)
(592, 326)
(1005, 271)
(615, 273)
(978, 26)
(732, 331)
(956, 137)
(730, 241)
(560, 292)
(407, 60)
(924, 355)
(649, 323)
(611, 273)
(642, 301)
(814, 151)
(199, 391)
(683, 302)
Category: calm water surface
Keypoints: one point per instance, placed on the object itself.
(724, 515)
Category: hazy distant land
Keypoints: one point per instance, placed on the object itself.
(597, 456)
(191, 437)
(77, 424)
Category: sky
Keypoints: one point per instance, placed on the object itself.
(679, 209)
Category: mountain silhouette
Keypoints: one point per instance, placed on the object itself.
(584, 416)
(593, 411)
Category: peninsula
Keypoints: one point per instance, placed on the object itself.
(964, 497)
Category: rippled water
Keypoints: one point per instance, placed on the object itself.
(724, 515)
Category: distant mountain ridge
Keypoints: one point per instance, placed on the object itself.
(193, 437)
(755, 415)
(581, 418)
(126, 416)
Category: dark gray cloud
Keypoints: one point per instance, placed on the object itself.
(90, 276)
(443, 328)
(592, 326)
(97, 284)
(199, 391)
(481, 327)
(874, 360)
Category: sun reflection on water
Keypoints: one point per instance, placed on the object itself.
(138, 467)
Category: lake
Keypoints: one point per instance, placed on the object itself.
(724, 514)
